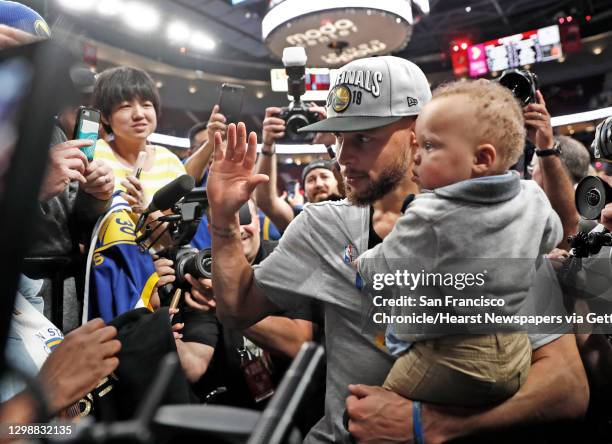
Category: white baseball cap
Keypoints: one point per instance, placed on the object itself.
(373, 92)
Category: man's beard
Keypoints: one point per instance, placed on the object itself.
(389, 179)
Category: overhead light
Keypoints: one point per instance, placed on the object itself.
(178, 32)
(159, 84)
(468, 9)
(464, 46)
(561, 20)
(140, 17)
(259, 94)
(201, 41)
(588, 18)
(597, 50)
(456, 48)
(569, 19)
(193, 89)
(109, 7)
(78, 5)
(183, 50)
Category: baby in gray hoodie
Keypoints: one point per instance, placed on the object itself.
(471, 206)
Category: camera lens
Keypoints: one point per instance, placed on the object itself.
(520, 83)
(593, 197)
(199, 264)
(294, 123)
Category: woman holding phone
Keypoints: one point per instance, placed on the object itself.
(129, 104)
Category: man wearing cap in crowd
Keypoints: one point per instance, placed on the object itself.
(319, 182)
(372, 110)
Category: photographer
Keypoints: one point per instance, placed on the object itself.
(555, 180)
(319, 183)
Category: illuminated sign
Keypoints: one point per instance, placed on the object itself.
(527, 48)
(334, 33)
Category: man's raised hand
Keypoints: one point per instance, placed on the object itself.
(231, 180)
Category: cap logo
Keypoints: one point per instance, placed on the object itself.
(365, 79)
(412, 101)
(339, 98)
(42, 29)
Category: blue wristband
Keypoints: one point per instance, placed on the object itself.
(417, 427)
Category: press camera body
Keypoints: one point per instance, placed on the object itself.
(182, 225)
(296, 115)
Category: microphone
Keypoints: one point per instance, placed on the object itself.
(167, 196)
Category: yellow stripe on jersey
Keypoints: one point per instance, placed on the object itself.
(166, 168)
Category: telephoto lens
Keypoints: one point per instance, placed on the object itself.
(592, 195)
(522, 83)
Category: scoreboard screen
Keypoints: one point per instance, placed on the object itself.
(526, 48)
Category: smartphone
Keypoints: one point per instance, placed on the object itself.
(86, 127)
(290, 188)
(230, 101)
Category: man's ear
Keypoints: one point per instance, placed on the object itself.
(484, 158)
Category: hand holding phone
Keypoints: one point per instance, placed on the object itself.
(230, 101)
(86, 127)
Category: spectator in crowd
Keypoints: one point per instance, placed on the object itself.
(129, 104)
(312, 260)
(318, 180)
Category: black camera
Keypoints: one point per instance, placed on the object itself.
(296, 115)
(592, 195)
(188, 260)
(602, 144)
(522, 83)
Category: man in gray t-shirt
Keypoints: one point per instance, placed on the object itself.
(372, 107)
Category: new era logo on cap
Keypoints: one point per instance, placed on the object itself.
(373, 92)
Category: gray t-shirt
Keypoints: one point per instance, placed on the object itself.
(313, 260)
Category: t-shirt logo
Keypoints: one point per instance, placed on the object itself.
(412, 101)
(349, 254)
(339, 98)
